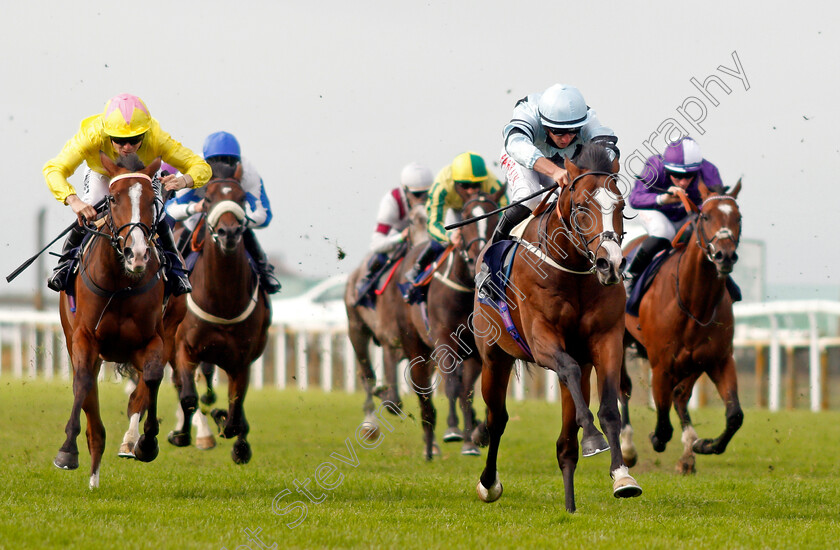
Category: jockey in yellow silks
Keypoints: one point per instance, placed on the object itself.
(125, 127)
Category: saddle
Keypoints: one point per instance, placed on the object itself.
(376, 284)
(417, 291)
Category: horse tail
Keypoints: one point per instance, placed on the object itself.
(125, 370)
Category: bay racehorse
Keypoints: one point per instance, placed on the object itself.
(118, 314)
(227, 314)
(437, 333)
(686, 326)
(378, 324)
(567, 308)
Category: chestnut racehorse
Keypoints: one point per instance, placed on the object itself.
(118, 311)
(566, 304)
(227, 314)
(686, 326)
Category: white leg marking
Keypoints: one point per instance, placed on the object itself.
(94, 480)
(179, 418)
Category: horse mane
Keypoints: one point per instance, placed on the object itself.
(221, 170)
(131, 162)
(593, 157)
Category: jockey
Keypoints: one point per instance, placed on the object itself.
(654, 197)
(123, 128)
(545, 129)
(223, 148)
(455, 184)
(393, 218)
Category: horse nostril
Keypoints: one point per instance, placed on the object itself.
(623, 264)
(602, 264)
(718, 256)
(734, 257)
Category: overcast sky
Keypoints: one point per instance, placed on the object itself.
(330, 99)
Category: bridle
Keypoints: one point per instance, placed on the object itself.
(480, 239)
(115, 238)
(705, 243)
(575, 212)
(223, 207)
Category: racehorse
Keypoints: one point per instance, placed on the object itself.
(567, 313)
(379, 324)
(227, 314)
(686, 326)
(439, 336)
(118, 312)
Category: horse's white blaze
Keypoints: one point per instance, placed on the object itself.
(725, 208)
(607, 202)
(133, 433)
(613, 252)
(138, 241)
(482, 224)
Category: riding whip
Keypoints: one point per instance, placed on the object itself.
(502, 209)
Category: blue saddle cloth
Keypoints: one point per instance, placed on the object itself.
(646, 278)
(492, 279)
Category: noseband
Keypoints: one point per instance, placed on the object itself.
(224, 207)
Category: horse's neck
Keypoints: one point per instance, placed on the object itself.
(700, 288)
(460, 271)
(555, 238)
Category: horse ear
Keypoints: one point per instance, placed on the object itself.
(572, 169)
(152, 168)
(237, 175)
(704, 191)
(495, 197)
(107, 163)
(735, 190)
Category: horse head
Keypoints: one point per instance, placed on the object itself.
(476, 235)
(132, 212)
(718, 228)
(224, 202)
(592, 210)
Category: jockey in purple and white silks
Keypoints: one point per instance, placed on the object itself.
(545, 129)
(187, 206)
(393, 217)
(654, 197)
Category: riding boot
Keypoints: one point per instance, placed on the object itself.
(511, 217)
(266, 271)
(375, 264)
(423, 260)
(647, 250)
(58, 280)
(176, 273)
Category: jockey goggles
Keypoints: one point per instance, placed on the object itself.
(469, 184)
(562, 131)
(132, 140)
(681, 175)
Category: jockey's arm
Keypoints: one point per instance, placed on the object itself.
(258, 207)
(548, 168)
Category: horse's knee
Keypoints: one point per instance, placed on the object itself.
(734, 419)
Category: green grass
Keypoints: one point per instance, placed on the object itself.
(777, 486)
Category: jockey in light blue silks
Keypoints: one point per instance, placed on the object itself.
(654, 197)
(223, 147)
(545, 129)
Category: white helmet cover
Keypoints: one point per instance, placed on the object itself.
(563, 106)
(416, 177)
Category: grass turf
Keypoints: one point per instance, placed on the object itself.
(777, 485)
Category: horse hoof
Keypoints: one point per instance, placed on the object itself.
(179, 439)
(624, 486)
(481, 435)
(189, 403)
(469, 449)
(492, 494)
(594, 444)
(630, 459)
(146, 449)
(127, 450)
(686, 466)
(66, 461)
(209, 398)
(205, 443)
(452, 434)
(704, 447)
(370, 429)
(241, 452)
(659, 446)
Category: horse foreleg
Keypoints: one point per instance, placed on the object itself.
(85, 359)
(150, 361)
(360, 340)
(184, 380)
(138, 404)
(682, 394)
(236, 424)
(567, 447)
(207, 371)
(569, 373)
(421, 373)
(95, 432)
(662, 388)
(495, 376)
(390, 391)
(470, 370)
(453, 390)
(727, 385)
(628, 448)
